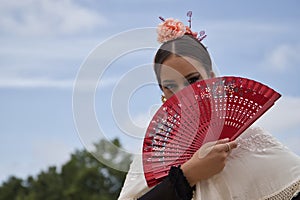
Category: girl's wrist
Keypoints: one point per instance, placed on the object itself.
(188, 172)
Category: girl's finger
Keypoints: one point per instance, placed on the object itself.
(222, 141)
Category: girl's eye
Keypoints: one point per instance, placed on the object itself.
(170, 86)
(193, 80)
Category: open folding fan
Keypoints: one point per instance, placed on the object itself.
(205, 111)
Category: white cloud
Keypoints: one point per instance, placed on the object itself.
(35, 83)
(246, 34)
(39, 63)
(34, 17)
(51, 151)
(22, 83)
(32, 156)
(238, 26)
(107, 82)
(236, 32)
(283, 57)
(292, 141)
(142, 120)
(283, 116)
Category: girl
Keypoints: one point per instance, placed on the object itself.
(255, 166)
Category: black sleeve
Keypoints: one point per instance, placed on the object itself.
(175, 186)
(297, 197)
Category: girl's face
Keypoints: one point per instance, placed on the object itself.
(178, 72)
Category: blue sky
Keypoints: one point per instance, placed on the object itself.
(45, 43)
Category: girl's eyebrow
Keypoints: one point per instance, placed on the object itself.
(168, 81)
(192, 74)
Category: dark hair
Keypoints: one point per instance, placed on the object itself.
(183, 46)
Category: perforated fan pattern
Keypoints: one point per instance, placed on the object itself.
(205, 111)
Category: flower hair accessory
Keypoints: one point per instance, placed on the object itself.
(171, 29)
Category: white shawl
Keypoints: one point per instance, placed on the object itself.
(260, 168)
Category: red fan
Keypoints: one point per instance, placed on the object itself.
(205, 111)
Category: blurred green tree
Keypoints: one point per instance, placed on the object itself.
(83, 177)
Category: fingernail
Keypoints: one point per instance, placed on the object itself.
(225, 139)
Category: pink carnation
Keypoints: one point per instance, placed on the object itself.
(170, 29)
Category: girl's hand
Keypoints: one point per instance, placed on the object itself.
(209, 160)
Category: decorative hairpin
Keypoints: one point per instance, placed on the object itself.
(171, 29)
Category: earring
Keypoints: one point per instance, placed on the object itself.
(163, 98)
